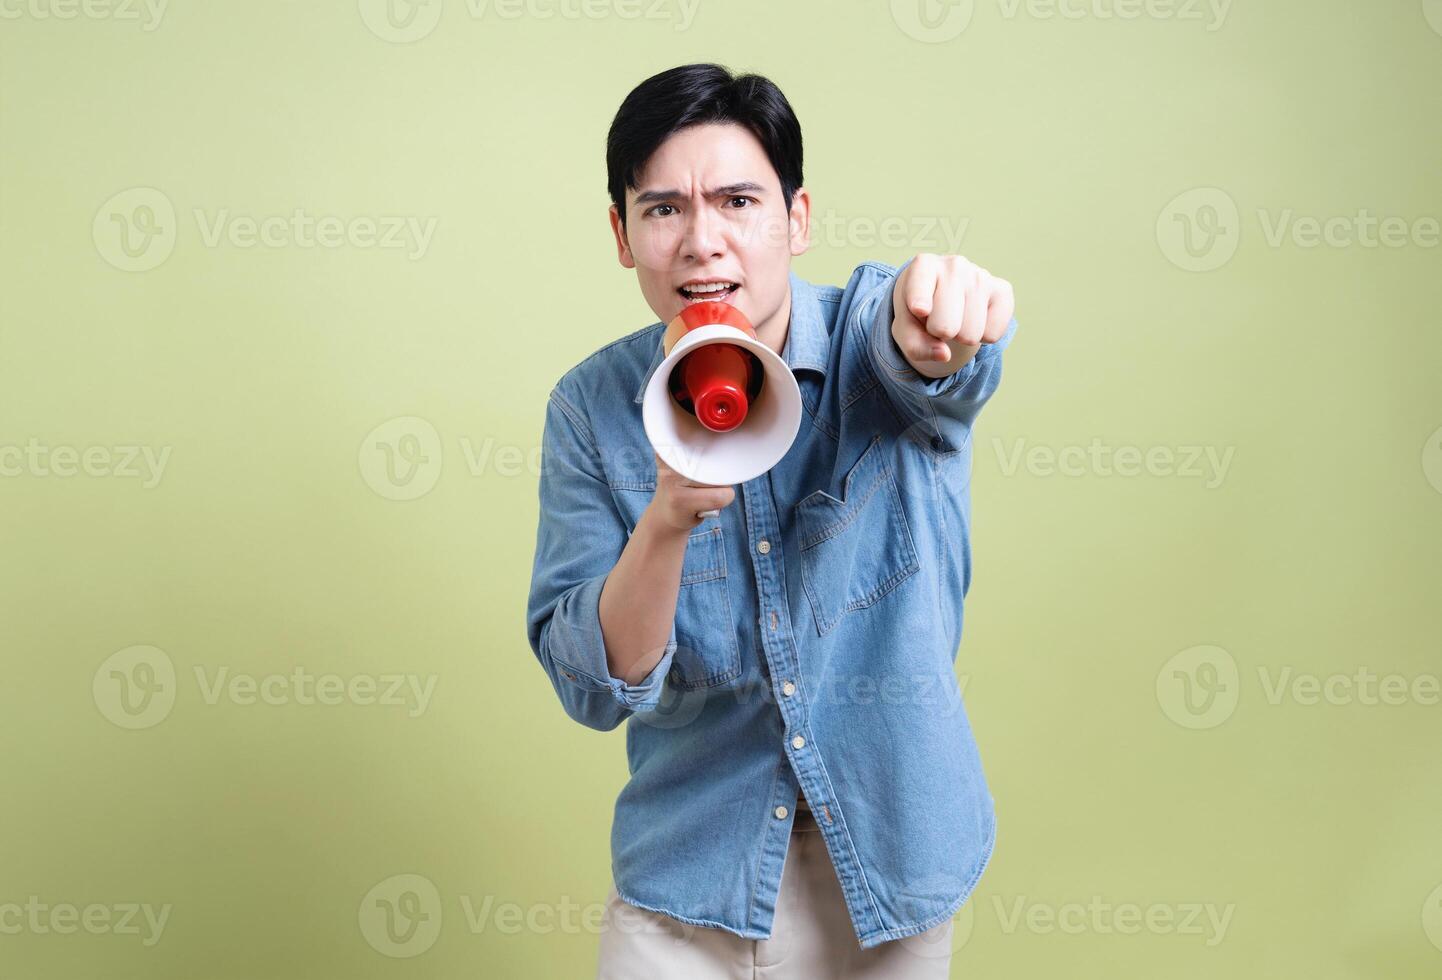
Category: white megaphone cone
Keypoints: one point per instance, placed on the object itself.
(727, 415)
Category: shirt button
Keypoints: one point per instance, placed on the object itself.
(763, 546)
(773, 619)
(781, 812)
(788, 689)
(798, 742)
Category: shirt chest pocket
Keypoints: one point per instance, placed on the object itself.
(856, 549)
(707, 650)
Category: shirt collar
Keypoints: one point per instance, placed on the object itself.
(807, 342)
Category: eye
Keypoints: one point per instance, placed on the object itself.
(658, 207)
(735, 199)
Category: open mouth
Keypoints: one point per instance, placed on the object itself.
(709, 292)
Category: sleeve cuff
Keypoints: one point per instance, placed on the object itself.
(578, 649)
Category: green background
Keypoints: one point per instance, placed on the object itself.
(265, 545)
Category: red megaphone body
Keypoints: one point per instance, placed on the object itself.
(721, 407)
(716, 382)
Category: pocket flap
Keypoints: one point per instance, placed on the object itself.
(825, 515)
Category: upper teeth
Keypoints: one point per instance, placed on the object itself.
(707, 287)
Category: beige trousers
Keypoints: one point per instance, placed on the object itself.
(811, 936)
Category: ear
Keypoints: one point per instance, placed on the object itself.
(623, 247)
(800, 221)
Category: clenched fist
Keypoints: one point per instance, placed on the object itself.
(944, 308)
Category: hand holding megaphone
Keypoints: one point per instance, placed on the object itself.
(677, 498)
(722, 407)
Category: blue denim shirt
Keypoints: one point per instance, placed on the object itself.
(816, 630)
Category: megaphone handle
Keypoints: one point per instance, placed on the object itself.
(708, 513)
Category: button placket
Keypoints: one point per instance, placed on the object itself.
(777, 644)
(770, 581)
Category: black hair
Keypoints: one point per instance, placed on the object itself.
(690, 95)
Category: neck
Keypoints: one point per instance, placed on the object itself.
(773, 332)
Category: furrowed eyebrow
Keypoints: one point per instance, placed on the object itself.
(744, 187)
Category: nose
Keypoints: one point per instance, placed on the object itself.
(703, 238)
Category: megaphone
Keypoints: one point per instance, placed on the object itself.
(722, 407)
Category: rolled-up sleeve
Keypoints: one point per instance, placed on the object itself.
(579, 538)
(943, 409)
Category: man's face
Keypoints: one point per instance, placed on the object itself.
(708, 209)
